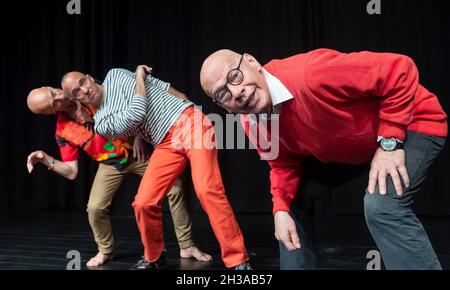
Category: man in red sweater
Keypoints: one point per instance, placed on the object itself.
(351, 108)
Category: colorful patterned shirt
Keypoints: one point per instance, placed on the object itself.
(72, 135)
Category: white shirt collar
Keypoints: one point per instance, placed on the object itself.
(278, 92)
(279, 95)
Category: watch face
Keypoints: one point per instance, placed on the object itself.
(388, 144)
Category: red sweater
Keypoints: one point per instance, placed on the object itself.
(342, 103)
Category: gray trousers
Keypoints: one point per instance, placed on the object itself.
(398, 233)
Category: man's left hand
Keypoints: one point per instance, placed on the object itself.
(388, 163)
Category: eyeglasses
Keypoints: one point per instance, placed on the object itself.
(235, 77)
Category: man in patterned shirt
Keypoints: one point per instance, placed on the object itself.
(143, 106)
(116, 157)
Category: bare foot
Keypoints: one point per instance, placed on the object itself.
(99, 260)
(196, 253)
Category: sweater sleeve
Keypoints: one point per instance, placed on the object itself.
(393, 78)
(121, 123)
(285, 169)
(285, 175)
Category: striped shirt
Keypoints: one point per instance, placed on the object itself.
(122, 113)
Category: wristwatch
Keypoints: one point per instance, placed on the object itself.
(390, 144)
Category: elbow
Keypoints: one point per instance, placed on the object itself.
(135, 116)
(99, 128)
(139, 120)
(403, 77)
(409, 67)
(132, 124)
(135, 120)
(409, 61)
(72, 176)
(178, 94)
(412, 75)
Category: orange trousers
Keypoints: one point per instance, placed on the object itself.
(191, 139)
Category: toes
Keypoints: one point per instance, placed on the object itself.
(206, 258)
(94, 262)
(203, 257)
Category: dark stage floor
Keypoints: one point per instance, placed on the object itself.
(41, 240)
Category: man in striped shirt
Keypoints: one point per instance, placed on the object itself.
(116, 158)
(137, 104)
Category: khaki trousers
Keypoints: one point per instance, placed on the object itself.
(106, 184)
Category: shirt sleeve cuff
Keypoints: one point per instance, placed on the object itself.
(167, 86)
(280, 204)
(391, 130)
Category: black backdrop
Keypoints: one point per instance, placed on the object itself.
(40, 42)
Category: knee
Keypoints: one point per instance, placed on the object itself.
(97, 210)
(213, 190)
(143, 205)
(176, 190)
(148, 200)
(204, 193)
(138, 205)
(376, 208)
(201, 191)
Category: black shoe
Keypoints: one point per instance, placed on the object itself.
(143, 264)
(244, 266)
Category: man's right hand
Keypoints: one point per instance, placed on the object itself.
(142, 71)
(36, 157)
(286, 231)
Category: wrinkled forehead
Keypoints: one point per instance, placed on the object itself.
(44, 100)
(217, 75)
(46, 93)
(73, 81)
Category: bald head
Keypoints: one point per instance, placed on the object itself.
(38, 100)
(82, 88)
(215, 67)
(71, 76)
(249, 95)
(48, 100)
